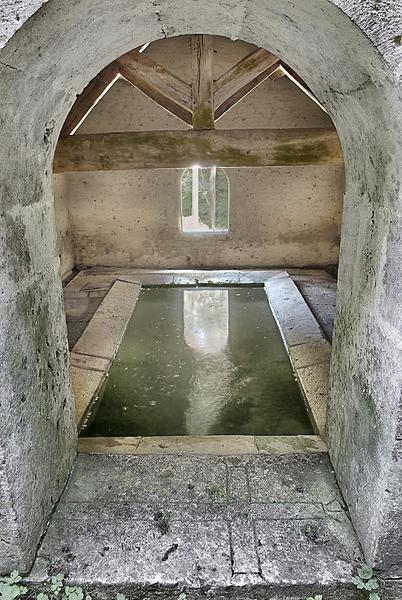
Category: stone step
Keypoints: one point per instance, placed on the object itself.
(266, 526)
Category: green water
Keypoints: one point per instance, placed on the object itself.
(200, 361)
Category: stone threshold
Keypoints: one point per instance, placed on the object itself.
(219, 527)
(214, 445)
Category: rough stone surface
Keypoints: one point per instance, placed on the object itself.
(354, 73)
(167, 524)
(13, 15)
(38, 434)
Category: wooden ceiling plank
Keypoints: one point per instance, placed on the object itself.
(159, 84)
(202, 53)
(90, 96)
(181, 149)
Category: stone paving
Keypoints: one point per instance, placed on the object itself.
(232, 527)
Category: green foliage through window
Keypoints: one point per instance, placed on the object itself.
(209, 211)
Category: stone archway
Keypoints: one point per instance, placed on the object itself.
(47, 62)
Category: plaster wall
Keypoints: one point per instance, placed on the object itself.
(278, 216)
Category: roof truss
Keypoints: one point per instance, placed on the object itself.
(198, 104)
(166, 89)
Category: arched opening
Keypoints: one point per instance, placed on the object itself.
(359, 91)
(278, 150)
(204, 198)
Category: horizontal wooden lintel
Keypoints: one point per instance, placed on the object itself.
(181, 149)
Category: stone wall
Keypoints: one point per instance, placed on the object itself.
(278, 216)
(63, 225)
(355, 74)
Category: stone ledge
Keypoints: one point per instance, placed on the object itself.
(222, 445)
(93, 354)
(308, 350)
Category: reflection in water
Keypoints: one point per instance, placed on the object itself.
(206, 332)
(200, 361)
(206, 320)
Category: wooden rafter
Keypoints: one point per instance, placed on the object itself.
(277, 73)
(297, 80)
(159, 84)
(91, 95)
(180, 149)
(243, 77)
(202, 51)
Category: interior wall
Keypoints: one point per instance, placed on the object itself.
(278, 215)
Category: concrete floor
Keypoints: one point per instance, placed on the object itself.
(269, 526)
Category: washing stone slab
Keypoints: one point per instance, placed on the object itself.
(314, 381)
(226, 527)
(103, 334)
(308, 349)
(95, 349)
(310, 354)
(296, 322)
(85, 384)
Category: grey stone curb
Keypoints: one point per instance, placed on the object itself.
(93, 354)
(309, 351)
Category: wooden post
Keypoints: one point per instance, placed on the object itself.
(202, 82)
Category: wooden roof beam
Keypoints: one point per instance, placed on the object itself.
(181, 149)
(242, 78)
(159, 84)
(202, 54)
(89, 98)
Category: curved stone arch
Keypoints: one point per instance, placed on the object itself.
(43, 66)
